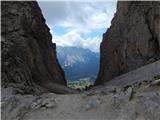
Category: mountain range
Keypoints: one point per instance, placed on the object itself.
(78, 63)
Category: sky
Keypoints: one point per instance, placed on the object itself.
(79, 24)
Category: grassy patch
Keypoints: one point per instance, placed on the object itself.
(80, 84)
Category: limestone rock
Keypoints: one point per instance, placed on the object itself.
(132, 41)
(93, 102)
(144, 105)
(156, 82)
(28, 55)
(29, 65)
(44, 101)
(126, 103)
(14, 107)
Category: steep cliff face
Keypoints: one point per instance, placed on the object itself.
(132, 41)
(29, 65)
(29, 60)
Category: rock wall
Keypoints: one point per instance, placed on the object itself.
(29, 60)
(132, 41)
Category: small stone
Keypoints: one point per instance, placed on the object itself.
(49, 103)
(156, 82)
(129, 93)
(36, 104)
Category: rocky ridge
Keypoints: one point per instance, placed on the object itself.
(29, 61)
(132, 41)
(31, 74)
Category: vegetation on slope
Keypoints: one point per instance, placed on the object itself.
(80, 84)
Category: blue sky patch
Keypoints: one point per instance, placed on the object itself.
(59, 30)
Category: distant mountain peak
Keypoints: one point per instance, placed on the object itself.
(78, 63)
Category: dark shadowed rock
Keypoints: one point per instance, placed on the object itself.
(28, 55)
(132, 41)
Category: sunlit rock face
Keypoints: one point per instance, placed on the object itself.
(29, 59)
(132, 41)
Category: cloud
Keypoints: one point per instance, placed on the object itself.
(74, 39)
(78, 14)
(79, 19)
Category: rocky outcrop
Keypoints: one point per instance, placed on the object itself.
(146, 73)
(132, 41)
(29, 61)
(139, 101)
(29, 65)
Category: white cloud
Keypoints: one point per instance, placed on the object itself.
(78, 14)
(79, 18)
(74, 39)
